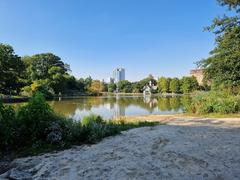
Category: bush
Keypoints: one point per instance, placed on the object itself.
(34, 118)
(8, 127)
(36, 128)
(38, 86)
(214, 102)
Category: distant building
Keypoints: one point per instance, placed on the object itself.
(119, 74)
(149, 88)
(198, 73)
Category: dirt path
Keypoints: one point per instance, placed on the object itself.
(185, 148)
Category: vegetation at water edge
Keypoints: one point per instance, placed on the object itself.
(35, 127)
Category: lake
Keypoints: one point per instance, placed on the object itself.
(113, 106)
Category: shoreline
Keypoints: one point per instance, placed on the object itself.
(181, 115)
(17, 99)
(174, 150)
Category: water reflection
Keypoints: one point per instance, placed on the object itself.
(109, 107)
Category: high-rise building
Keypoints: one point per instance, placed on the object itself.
(119, 74)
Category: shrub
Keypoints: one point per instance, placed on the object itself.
(214, 102)
(8, 126)
(38, 86)
(35, 128)
(34, 118)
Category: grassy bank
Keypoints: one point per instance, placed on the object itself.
(35, 128)
(214, 103)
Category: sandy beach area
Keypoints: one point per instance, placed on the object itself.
(182, 148)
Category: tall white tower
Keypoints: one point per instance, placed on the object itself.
(119, 74)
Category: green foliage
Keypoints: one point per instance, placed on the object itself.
(56, 79)
(189, 84)
(174, 86)
(87, 83)
(214, 102)
(112, 87)
(124, 86)
(46, 71)
(11, 69)
(104, 86)
(223, 66)
(38, 86)
(34, 118)
(95, 118)
(35, 128)
(163, 84)
(8, 126)
(232, 4)
(42, 63)
(186, 103)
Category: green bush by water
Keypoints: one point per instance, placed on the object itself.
(214, 102)
(35, 128)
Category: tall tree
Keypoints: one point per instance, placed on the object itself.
(189, 84)
(163, 84)
(42, 63)
(45, 70)
(174, 86)
(11, 69)
(223, 65)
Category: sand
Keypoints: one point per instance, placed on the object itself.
(184, 148)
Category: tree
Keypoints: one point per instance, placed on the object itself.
(189, 84)
(223, 66)
(11, 69)
(38, 86)
(112, 87)
(47, 68)
(81, 85)
(104, 86)
(163, 84)
(96, 87)
(56, 79)
(87, 83)
(125, 86)
(40, 64)
(174, 86)
(232, 4)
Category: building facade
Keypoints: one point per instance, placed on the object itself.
(119, 74)
(198, 73)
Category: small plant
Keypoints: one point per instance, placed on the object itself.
(95, 118)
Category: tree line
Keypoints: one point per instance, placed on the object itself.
(47, 73)
(43, 72)
(184, 85)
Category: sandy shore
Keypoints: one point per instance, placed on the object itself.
(184, 148)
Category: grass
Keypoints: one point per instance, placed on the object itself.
(213, 115)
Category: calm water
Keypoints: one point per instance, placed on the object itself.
(109, 107)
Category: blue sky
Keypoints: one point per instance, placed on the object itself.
(159, 37)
